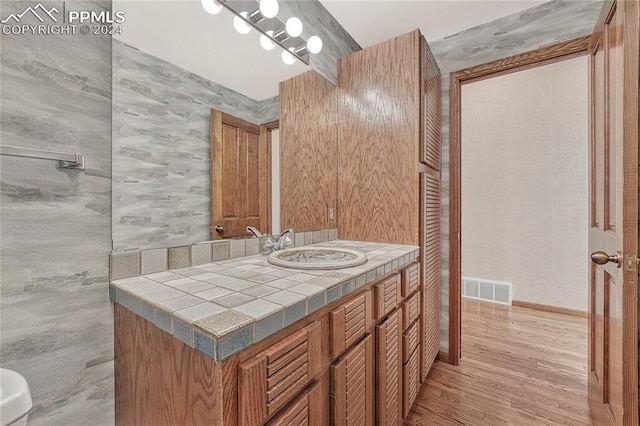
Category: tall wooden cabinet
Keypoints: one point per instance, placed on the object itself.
(307, 153)
(389, 153)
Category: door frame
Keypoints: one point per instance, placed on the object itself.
(543, 56)
(217, 119)
(546, 55)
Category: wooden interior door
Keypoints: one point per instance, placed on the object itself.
(613, 235)
(239, 177)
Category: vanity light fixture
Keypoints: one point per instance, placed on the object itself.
(240, 24)
(211, 6)
(293, 26)
(262, 15)
(314, 44)
(266, 41)
(287, 57)
(269, 8)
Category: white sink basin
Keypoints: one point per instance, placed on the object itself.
(317, 258)
(15, 398)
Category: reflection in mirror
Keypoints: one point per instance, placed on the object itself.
(168, 74)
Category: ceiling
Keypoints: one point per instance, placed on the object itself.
(181, 32)
(372, 21)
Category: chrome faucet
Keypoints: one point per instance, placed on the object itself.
(254, 231)
(279, 242)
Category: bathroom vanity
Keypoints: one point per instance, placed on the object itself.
(352, 356)
(348, 346)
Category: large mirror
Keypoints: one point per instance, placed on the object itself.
(172, 65)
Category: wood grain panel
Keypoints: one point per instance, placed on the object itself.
(378, 142)
(388, 372)
(158, 379)
(431, 120)
(308, 152)
(352, 386)
(350, 322)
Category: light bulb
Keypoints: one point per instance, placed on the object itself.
(266, 42)
(293, 26)
(287, 57)
(314, 44)
(240, 24)
(269, 8)
(211, 6)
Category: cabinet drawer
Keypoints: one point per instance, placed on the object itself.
(301, 410)
(386, 295)
(272, 378)
(350, 322)
(410, 341)
(410, 279)
(411, 383)
(410, 310)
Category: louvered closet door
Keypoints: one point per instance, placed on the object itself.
(430, 204)
(352, 386)
(431, 264)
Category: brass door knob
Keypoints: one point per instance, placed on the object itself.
(601, 258)
(219, 228)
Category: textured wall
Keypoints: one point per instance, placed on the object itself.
(57, 327)
(549, 23)
(161, 189)
(514, 154)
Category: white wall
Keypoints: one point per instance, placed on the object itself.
(524, 182)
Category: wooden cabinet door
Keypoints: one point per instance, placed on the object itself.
(352, 386)
(273, 378)
(613, 356)
(388, 371)
(308, 153)
(239, 176)
(303, 411)
(430, 183)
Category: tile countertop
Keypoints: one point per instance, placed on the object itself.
(223, 307)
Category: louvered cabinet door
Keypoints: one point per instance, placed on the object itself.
(276, 376)
(302, 411)
(388, 371)
(352, 387)
(431, 273)
(350, 322)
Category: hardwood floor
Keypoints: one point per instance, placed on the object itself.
(519, 367)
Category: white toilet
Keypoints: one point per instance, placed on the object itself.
(15, 398)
